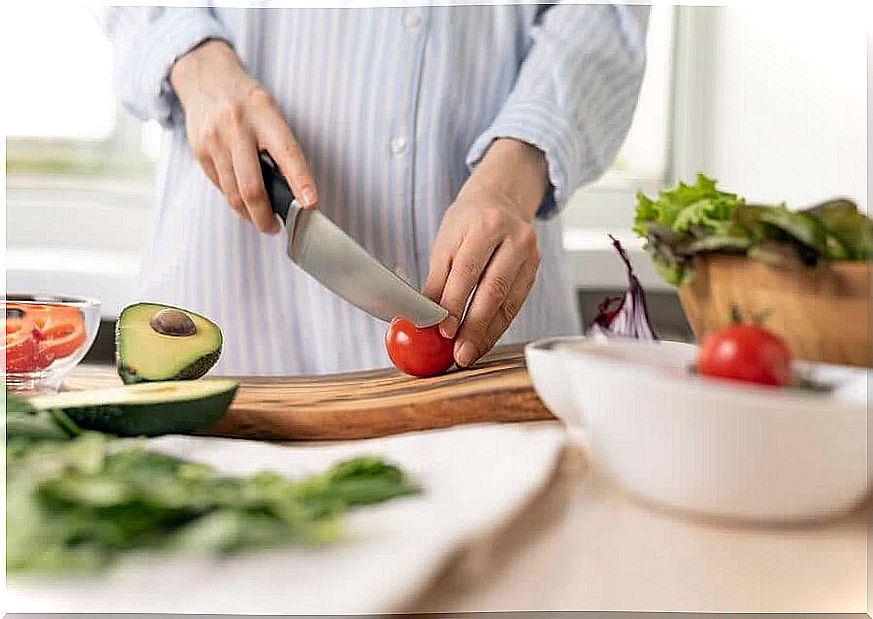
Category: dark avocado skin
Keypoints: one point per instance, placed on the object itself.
(177, 417)
(198, 366)
(190, 372)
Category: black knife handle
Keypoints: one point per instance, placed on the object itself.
(277, 187)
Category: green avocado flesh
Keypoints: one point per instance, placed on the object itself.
(150, 409)
(146, 355)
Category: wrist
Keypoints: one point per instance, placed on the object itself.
(204, 69)
(515, 173)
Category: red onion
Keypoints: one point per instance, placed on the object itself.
(625, 316)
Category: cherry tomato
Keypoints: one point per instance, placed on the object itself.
(745, 352)
(419, 352)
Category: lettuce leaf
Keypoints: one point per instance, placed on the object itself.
(689, 220)
(687, 206)
(849, 233)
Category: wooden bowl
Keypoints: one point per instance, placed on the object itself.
(823, 313)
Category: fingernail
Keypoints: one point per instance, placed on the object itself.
(449, 327)
(465, 353)
(309, 197)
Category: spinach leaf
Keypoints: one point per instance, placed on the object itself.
(77, 500)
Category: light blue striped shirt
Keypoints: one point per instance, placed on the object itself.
(392, 107)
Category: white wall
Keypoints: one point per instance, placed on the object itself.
(770, 100)
(782, 99)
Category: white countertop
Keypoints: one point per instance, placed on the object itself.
(473, 478)
(581, 544)
(584, 545)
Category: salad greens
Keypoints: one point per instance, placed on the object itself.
(685, 206)
(76, 500)
(689, 220)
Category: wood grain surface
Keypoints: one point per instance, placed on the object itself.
(367, 404)
(824, 313)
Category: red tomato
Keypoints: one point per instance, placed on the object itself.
(747, 353)
(20, 347)
(419, 352)
(59, 340)
(37, 334)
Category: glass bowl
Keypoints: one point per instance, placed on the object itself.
(46, 336)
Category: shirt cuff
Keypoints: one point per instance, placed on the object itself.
(536, 124)
(168, 40)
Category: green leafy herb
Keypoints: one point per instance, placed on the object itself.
(24, 423)
(15, 404)
(77, 500)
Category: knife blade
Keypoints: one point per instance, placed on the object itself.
(339, 263)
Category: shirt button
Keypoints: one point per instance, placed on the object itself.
(412, 19)
(398, 145)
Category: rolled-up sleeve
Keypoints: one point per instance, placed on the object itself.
(146, 42)
(574, 96)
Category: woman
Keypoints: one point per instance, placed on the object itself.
(444, 139)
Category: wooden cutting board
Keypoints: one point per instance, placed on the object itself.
(367, 404)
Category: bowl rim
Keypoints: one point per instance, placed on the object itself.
(35, 298)
(547, 344)
(556, 343)
(756, 398)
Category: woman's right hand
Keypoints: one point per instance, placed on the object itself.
(229, 118)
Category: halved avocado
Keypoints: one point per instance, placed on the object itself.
(159, 342)
(149, 409)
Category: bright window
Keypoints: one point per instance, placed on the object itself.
(642, 161)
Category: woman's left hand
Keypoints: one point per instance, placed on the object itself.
(486, 246)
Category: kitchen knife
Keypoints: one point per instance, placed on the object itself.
(322, 249)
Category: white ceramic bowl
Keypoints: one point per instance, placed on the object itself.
(718, 448)
(553, 383)
(545, 365)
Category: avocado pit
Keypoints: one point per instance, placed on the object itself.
(173, 322)
(156, 343)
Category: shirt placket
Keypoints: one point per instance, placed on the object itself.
(402, 144)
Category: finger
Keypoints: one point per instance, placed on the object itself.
(227, 182)
(512, 305)
(276, 137)
(438, 271)
(467, 266)
(203, 154)
(497, 282)
(209, 169)
(251, 185)
(509, 309)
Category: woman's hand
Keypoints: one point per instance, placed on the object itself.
(229, 118)
(486, 247)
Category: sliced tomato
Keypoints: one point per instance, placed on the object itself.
(38, 334)
(59, 340)
(21, 344)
